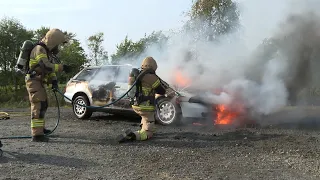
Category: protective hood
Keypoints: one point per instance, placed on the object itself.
(149, 62)
(53, 38)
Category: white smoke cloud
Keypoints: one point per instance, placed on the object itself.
(227, 63)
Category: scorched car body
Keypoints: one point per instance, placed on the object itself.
(100, 85)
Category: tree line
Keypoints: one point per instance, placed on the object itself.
(216, 17)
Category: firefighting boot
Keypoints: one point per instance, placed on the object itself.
(46, 131)
(40, 138)
(127, 136)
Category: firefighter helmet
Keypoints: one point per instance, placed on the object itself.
(149, 62)
(54, 37)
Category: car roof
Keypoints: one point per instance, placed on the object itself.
(111, 65)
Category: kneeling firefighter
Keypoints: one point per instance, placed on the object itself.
(147, 86)
(40, 68)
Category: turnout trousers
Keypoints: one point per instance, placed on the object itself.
(39, 104)
(147, 125)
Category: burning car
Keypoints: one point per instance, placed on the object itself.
(207, 107)
(101, 85)
(98, 86)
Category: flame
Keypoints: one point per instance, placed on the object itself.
(227, 115)
(180, 79)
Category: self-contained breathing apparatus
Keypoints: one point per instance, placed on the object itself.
(22, 65)
(136, 94)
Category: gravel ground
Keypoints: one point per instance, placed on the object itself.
(285, 147)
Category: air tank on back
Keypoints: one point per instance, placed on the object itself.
(24, 56)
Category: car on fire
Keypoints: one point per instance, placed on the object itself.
(101, 85)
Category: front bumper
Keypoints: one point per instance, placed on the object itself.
(69, 95)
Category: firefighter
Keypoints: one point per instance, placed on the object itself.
(144, 102)
(41, 69)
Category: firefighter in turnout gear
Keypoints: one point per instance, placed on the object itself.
(42, 71)
(144, 100)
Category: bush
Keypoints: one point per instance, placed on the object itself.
(51, 98)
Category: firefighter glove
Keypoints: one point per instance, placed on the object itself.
(55, 85)
(66, 68)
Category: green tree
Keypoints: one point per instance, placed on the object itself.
(212, 18)
(12, 35)
(155, 38)
(126, 49)
(72, 54)
(41, 32)
(130, 50)
(97, 53)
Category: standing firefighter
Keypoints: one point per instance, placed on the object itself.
(41, 68)
(148, 85)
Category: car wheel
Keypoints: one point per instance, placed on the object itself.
(167, 112)
(81, 112)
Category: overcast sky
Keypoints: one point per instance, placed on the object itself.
(116, 18)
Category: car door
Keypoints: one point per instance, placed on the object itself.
(79, 83)
(121, 79)
(103, 85)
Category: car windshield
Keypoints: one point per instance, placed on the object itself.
(86, 75)
(113, 73)
(106, 73)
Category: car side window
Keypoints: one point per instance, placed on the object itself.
(107, 73)
(86, 75)
(122, 74)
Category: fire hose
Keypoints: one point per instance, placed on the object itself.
(92, 107)
(55, 127)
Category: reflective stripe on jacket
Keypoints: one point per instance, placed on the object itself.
(149, 83)
(40, 63)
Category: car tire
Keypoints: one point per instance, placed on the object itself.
(79, 111)
(167, 112)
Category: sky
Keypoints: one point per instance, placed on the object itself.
(115, 18)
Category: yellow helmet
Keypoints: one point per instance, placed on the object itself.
(54, 37)
(149, 62)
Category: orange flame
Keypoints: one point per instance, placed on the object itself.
(227, 115)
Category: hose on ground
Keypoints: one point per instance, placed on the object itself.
(55, 127)
(89, 107)
(58, 106)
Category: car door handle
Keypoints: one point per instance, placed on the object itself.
(117, 87)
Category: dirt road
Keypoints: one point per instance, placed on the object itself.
(84, 149)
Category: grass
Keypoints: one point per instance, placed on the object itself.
(20, 99)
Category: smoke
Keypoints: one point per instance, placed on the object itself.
(264, 75)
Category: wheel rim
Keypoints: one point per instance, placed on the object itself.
(78, 109)
(166, 112)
